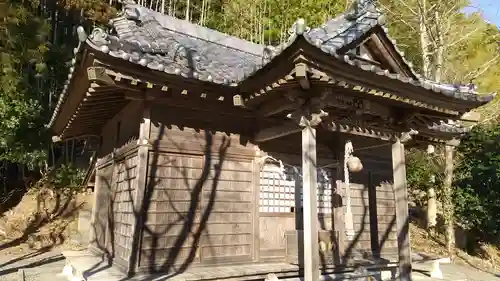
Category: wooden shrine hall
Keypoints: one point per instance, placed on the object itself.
(217, 153)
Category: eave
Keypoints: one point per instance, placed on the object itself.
(280, 74)
(267, 77)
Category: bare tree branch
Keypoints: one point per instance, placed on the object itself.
(398, 17)
(483, 68)
(462, 38)
(403, 2)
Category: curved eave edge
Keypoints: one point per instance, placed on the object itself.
(475, 98)
(300, 31)
(100, 40)
(64, 92)
(377, 20)
(447, 129)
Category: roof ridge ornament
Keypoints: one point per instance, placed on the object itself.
(300, 26)
(359, 8)
(82, 37)
(130, 9)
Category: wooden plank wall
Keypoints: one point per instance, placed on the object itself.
(128, 120)
(115, 191)
(361, 216)
(272, 233)
(373, 204)
(173, 215)
(124, 188)
(100, 223)
(202, 189)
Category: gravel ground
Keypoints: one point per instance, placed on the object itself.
(47, 265)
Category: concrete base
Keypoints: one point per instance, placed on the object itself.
(85, 266)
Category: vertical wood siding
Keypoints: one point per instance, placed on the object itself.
(201, 204)
(122, 202)
(115, 216)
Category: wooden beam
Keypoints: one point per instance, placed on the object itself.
(390, 55)
(141, 96)
(402, 216)
(277, 106)
(268, 134)
(301, 75)
(225, 107)
(310, 203)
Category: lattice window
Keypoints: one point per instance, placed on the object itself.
(277, 193)
(277, 190)
(325, 191)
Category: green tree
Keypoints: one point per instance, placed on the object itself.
(477, 180)
(424, 171)
(24, 50)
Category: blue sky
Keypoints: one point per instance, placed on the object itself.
(489, 8)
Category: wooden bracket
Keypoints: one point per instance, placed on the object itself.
(98, 74)
(301, 70)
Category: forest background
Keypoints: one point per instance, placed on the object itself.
(445, 44)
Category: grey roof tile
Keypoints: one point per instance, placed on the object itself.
(450, 128)
(174, 46)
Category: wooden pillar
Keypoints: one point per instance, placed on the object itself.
(372, 206)
(402, 216)
(141, 178)
(310, 203)
(256, 168)
(299, 222)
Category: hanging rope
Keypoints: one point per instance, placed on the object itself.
(349, 223)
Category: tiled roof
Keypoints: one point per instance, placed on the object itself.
(174, 46)
(450, 128)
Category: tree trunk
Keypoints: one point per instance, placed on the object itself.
(187, 10)
(439, 57)
(170, 9)
(424, 40)
(447, 201)
(431, 211)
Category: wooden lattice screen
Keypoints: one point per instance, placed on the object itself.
(277, 189)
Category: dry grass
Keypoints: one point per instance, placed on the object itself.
(25, 227)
